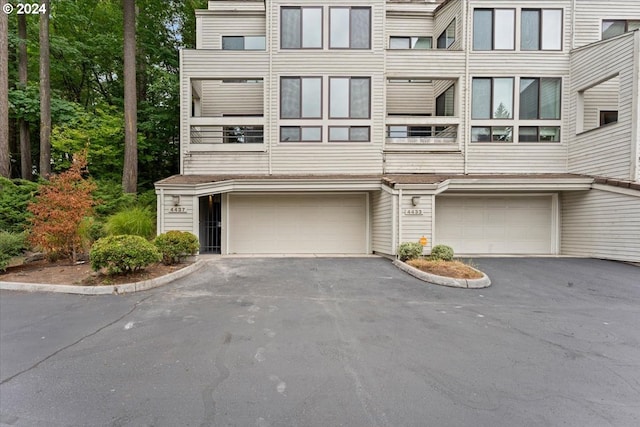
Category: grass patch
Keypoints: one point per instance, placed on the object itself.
(454, 269)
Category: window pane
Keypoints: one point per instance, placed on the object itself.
(550, 98)
(254, 43)
(397, 131)
(360, 28)
(444, 103)
(550, 134)
(359, 133)
(338, 134)
(501, 134)
(482, 29)
(421, 42)
(448, 36)
(612, 29)
(503, 37)
(290, 98)
(233, 43)
(311, 134)
(633, 25)
(291, 134)
(339, 97)
(290, 32)
(311, 97)
(502, 98)
(481, 99)
(480, 134)
(528, 134)
(552, 29)
(399, 42)
(530, 30)
(312, 27)
(339, 36)
(359, 98)
(529, 98)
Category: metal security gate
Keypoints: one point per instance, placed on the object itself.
(210, 224)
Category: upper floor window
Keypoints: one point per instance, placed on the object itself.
(492, 98)
(301, 28)
(350, 28)
(445, 101)
(541, 29)
(349, 97)
(540, 98)
(493, 29)
(615, 27)
(409, 42)
(301, 97)
(243, 43)
(448, 36)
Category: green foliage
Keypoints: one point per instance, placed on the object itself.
(11, 244)
(409, 250)
(135, 221)
(123, 254)
(110, 198)
(442, 252)
(176, 245)
(15, 196)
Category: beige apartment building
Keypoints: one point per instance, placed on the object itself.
(333, 127)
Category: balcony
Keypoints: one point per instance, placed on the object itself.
(422, 134)
(226, 134)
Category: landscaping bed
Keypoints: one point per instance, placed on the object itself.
(454, 269)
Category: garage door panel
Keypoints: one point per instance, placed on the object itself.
(297, 223)
(495, 225)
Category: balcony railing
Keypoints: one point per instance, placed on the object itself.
(227, 134)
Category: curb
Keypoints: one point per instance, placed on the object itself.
(125, 288)
(483, 282)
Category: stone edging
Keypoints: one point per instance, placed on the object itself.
(125, 288)
(483, 282)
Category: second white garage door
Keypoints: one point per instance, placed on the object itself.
(495, 225)
(279, 224)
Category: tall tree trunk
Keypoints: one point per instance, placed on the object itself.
(130, 171)
(45, 94)
(5, 164)
(23, 125)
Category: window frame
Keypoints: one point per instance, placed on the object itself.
(491, 98)
(301, 140)
(539, 106)
(244, 43)
(493, 28)
(349, 98)
(444, 33)
(350, 8)
(538, 140)
(451, 87)
(368, 140)
(301, 116)
(491, 140)
(410, 38)
(541, 29)
(602, 114)
(300, 8)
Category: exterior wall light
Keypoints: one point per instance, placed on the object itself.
(176, 200)
(415, 200)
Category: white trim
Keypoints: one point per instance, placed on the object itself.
(225, 224)
(399, 216)
(367, 213)
(619, 190)
(195, 215)
(635, 111)
(394, 222)
(556, 228)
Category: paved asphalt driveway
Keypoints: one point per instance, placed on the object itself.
(331, 342)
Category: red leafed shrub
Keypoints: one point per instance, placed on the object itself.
(58, 211)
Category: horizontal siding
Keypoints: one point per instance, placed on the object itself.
(382, 222)
(444, 16)
(416, 226)
(517, 158)
(211, 163)
(423, 163)
(231, 98)
(410, 98)
(425, 63)
(601, 224)
(590, 13)
(214, 27)
(177, 221)
(409, 26)
(602, 97)
(224, 64)
(308, 158)
(604, 151)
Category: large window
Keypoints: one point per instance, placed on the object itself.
(349, 134)
(492, 98)
(300, 134)
(300, 97)
(349, 97)
(448, 36)
(615, 27)
(350, 28)
(301, 28)
(493, 29)
(243, 43)
(409, 42)
(541, 29)
(540, 98)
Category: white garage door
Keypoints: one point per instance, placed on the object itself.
(298, 224)
(495, 225)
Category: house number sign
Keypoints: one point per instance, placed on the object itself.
(177, 209)
(413, 212)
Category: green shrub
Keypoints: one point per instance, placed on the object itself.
(15, 195)
(135, 221)
(110, 198)
(123, 254)
(11, 244)
(176, 245)
(409, 250)
(442, 252)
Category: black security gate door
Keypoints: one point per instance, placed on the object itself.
(210, 224)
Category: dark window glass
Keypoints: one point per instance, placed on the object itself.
(448, 36)
(233, 43)
(612, 28)
(444, 102)
(482, 29)
(609, 116)
(528, 134)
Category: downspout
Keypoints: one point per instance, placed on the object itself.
(467, 85)
(399, 217)
(267, 11)
(161, 211)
